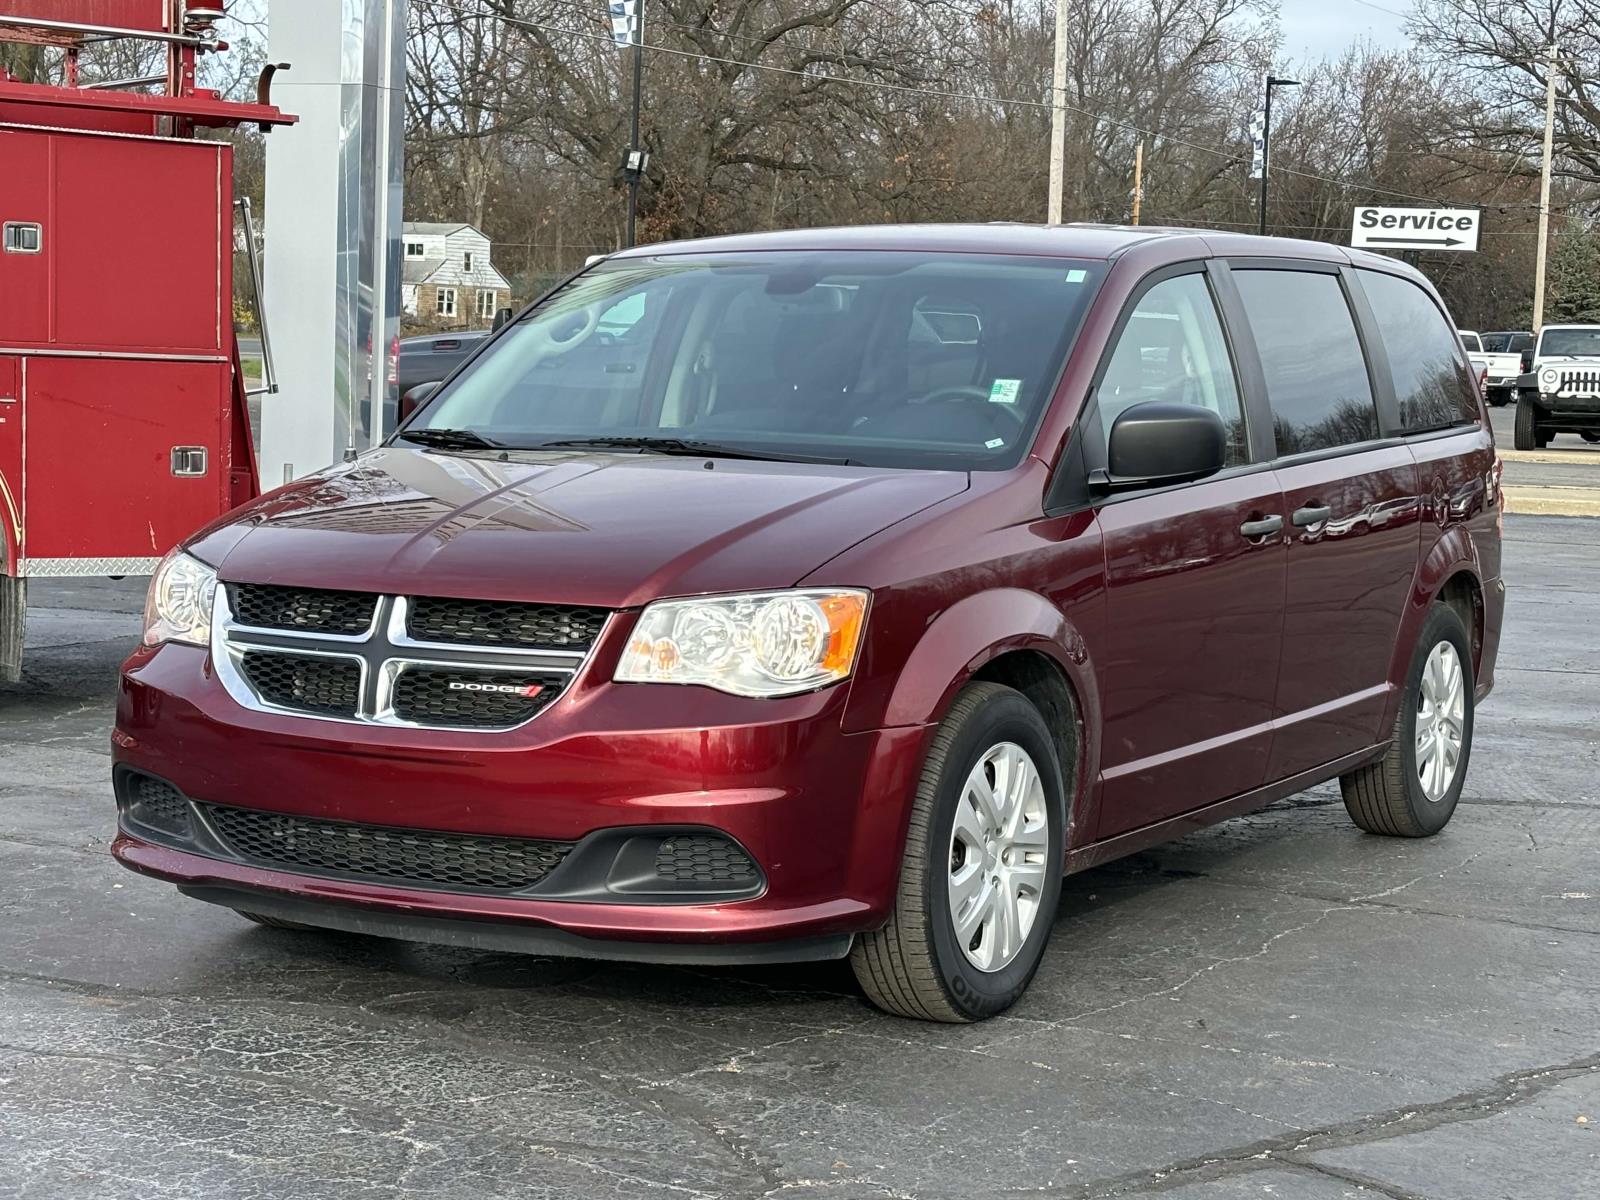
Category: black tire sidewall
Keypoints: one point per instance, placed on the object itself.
(1006, 718)
(1442, 624)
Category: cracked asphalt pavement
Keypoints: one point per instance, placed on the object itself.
(1278, 1006)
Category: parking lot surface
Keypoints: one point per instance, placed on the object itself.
(1278, 1006)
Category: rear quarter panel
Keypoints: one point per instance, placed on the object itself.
(1460, 533)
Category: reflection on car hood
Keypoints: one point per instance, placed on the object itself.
(606, 529)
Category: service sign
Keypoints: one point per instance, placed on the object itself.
(1377, 228)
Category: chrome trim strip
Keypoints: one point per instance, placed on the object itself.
(41, 568)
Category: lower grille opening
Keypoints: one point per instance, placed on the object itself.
(419, 858)
(703, 858)
(307, 682)
(156, 803)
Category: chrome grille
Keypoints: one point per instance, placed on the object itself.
(416, 857)
(495, 623)
(310, 682)
(357, 657)
(446, 695)
(310, 610)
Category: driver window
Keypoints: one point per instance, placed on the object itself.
(1172, 349)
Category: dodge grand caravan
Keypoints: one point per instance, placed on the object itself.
(830, 594)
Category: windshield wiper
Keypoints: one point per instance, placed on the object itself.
(698, 449)
(450, 439)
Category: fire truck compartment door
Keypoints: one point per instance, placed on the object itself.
(112, 449)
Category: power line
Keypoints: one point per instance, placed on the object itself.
(937, 93)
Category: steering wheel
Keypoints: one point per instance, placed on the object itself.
(969, 393)
(571, 329)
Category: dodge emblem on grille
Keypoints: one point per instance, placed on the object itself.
(509, 689)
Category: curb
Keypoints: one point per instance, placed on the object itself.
(1551, 501)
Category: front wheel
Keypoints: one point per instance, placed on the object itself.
(1412, 790)
(1527, 435)
(981, 874)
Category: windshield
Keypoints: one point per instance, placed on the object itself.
(1470, 341)
(1577, 343)
(883, 358)
(1507, 343)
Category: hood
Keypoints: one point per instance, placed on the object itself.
(611, 530)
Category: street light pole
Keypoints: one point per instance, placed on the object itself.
(1544, 190)
(1266, 142)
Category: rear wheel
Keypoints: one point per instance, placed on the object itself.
(981, 873)
(1498, 397)
(1413, 790)
(1527, 434)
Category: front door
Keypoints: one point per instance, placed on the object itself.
(1188, 660)
(1352, 511)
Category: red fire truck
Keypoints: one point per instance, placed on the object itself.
(123, 420)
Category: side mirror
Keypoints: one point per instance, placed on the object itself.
(414, 397)
(502, 317)
(1527, 361)
(1158, 442)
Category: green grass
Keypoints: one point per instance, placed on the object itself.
(252, 367)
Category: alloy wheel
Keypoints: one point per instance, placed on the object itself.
(1441, 721)
(998, 848)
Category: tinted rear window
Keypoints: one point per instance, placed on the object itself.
(1316, 374)
(1431, 381)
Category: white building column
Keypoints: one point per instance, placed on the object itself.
(332, 234)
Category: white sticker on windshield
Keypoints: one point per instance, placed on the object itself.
(994, 443)
(1077, 275)
(1004, 391)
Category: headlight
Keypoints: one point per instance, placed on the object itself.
(178, 608)
(1549, 379)
(757, 644)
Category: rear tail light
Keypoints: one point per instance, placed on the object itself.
(1483, 380)
(394, 360)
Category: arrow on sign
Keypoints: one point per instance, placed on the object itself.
(1389, 241)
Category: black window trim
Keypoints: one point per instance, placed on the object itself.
(1068, 490)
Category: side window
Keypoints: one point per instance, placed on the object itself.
(1172, 349)
(1315, 371)
(1431, 382)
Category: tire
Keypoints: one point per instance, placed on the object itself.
(271, 922)
(1498, 397)
(916, 966)
(1589, 435)
(1525, 436)
(1390, 796)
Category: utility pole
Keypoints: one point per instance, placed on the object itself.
(1058, 113)
(1544, 189)
(1138, 179)
(635, 153)
(1266, 142)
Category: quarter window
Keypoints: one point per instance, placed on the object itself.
(1431, 382)
(1172, 349)
(1315, 371)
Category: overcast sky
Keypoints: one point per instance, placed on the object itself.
(1322, 28)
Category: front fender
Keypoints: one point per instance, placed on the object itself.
(975, 631)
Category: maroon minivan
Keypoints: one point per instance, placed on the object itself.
(832, 593)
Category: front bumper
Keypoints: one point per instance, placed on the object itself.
(821, 812)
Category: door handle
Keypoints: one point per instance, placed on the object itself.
(1311, 514)
(1262, 527)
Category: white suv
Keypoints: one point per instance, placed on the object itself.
(1561, 394)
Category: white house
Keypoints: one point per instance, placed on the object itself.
(447, 278)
